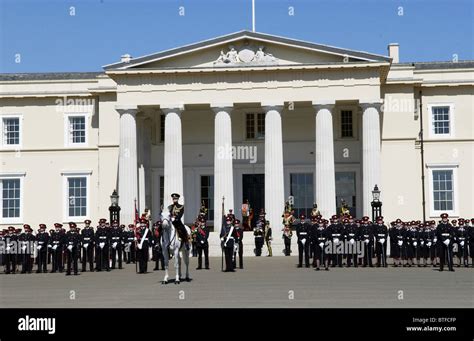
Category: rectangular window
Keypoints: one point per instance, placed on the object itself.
(443, 191)
(207, 194)
(77, 196)
(162, 128)
(11, 198)
(302, 189)
(11, 131)
(255, 126)
(346, 191)
(76, 130)
(346, 123)
(441, 120)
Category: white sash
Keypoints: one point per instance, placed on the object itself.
(143, 239)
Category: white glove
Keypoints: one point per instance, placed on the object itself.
(415, 244)
(446, 242)
(428, 244)
(382, 241)
(49, 246)
(336, 240)
(114, 245)
(462, 243)
(39, 247)
(303, 241)
(135, 238)
(366, 241)
(352, 241)
(55, 247)
(400, 243)
(435, 240)
(202, 241)
(222, 239)
(321, 245)
(101, 245)
(422, 242)
(86, 245)
(69, 247)
(8, 248)
(139, 246)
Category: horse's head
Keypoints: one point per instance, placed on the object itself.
(166, 219)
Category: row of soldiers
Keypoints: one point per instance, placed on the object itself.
(103, 249)
(346, 241)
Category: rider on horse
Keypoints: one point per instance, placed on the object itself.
(176, 213)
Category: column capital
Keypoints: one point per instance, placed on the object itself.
(371, 104)
(127, 109)
(319, 105)
(172, 109)
(217, 107)
(278, 106)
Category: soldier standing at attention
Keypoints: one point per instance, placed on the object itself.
(130, 244)
(462, 239)
(42, 239)
(258, 233)
(87, 240)
(321, 240)
(268, 237)
(72, 239)
(471, 241)
(381, 235)
(302, 232)
(227, 243)
(102, 242)
(351, 235)
(445, 236)
(56, 243)
(156, 241)
(143, 244)
(202, 244)
(288, 220)
(239, 236)
(29, 240)
(116, 244)
(367, 237)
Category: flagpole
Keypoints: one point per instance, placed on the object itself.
(253, 15)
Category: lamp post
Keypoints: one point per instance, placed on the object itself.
(376, 203)
(114, 208)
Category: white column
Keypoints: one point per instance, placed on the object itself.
(127, 181)
(173, 172)
(274, 189)
(325, 184)
(141, 164)
(223, 163)
(370, 152)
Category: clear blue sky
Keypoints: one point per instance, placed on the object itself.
(48, 38)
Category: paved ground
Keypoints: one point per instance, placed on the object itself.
(265, 282)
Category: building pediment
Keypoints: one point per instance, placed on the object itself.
(243, 49)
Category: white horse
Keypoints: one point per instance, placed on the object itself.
(170, 242)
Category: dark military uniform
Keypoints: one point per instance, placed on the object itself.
(412, 244)
(268, 238)
(320, 237)
(73, 244)
(351, 235)
(287, 232)
(42, 239)
(259, 233)
(2, 247)
(471, 241)
(144, 241)
(367, 237)
(462, 239)
(381, 236)
(87, 240)
(28, 240)
(445, 236)
(157, 251)
(303, 234)
(116, 246)
(102, 243)
(239, 240)
(11, 244)
(336, 234)
(56, 243)
(228, 236)
(130, 244)
(202, 244)
(176, 213)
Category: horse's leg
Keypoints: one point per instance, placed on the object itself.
(166, 260)
(186, 263)
(176, 263)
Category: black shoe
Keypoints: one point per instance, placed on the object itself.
(451, 270)
(38, 271)
(327, 269)
(317, 269)
(68, 274)
(299, 266)
(198, 268)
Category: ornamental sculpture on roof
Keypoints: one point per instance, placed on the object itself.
(246, 55)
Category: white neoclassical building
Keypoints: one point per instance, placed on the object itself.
(242, 116)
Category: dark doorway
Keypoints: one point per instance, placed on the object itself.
(253, 189)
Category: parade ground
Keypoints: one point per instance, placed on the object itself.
(263, 283)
